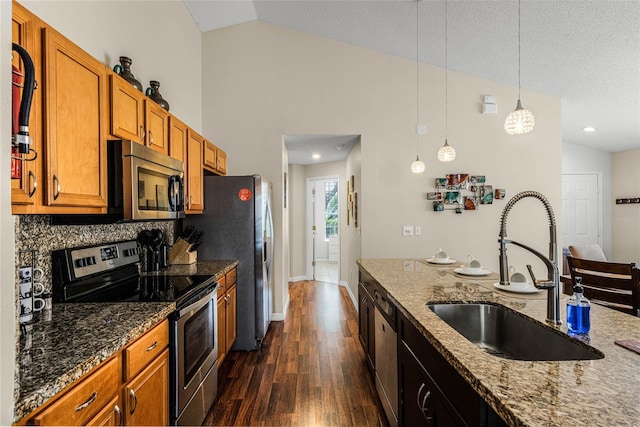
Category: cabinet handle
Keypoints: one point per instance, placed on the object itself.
(34, 186)
(418, 395)
(56, 184)
(423, 408)
(88, 402)
(150, 137)
(118, 412)
(132, 395)
(142, 133)
(152, 346)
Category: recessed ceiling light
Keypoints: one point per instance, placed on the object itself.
(315, 156)
(589, 129)
(339, 147)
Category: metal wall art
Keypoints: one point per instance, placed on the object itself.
(461, 191)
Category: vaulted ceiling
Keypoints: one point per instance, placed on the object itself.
(585, 52)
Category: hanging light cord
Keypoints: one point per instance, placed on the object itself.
(519, 49)
(417, 83)
(446, 73)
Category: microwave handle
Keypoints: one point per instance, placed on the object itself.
(173, 182)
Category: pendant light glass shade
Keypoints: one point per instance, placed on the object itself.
(446, 153)
(519, 121)
(417, 166)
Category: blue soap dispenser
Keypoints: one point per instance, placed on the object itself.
(578, 310)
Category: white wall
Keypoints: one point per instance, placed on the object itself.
(626, 218)
(262, 81)
(351, 242)
(7, 273)
(576, 159)
(297, 223)
(160, 37)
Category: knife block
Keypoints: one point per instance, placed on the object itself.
(179, 253)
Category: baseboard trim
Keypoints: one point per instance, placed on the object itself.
(298, 279)
(354, 300)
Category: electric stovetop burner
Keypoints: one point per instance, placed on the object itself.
(109, 273)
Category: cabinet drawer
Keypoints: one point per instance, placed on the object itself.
(231, 277)
(138, 354)
(85, 399)
(222, 286)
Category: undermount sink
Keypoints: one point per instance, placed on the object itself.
(504, 333)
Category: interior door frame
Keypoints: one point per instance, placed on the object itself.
(600, 189)
(309, 223)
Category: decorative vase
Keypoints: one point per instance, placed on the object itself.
(153, 93)
(124, 70)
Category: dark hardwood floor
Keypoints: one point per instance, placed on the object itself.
(310, 371)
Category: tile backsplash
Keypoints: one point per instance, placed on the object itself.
(34, 232)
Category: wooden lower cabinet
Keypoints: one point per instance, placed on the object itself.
(111, 414)
(129, 388)
(146, 396)
(227, 307)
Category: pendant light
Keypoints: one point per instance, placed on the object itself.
(519, 121)
(446, 153)
(417, 166)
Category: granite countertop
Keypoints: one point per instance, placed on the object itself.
(524, 393)
(72, 339)
(216, 268)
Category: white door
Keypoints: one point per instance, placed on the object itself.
(581, 209)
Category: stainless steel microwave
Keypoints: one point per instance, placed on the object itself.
(143, 184)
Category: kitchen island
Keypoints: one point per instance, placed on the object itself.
(602, 392)
(74, 338)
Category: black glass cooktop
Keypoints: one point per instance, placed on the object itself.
(122, 286)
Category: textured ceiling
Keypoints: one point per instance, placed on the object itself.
(585, 52)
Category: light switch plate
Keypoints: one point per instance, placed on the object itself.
(407, 230)
(418, 230)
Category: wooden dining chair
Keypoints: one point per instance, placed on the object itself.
(615, 285)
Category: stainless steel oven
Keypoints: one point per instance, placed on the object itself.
(194, 337)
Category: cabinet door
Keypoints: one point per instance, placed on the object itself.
(222, 328)
(209, 160)
(221, 157)
(178, 140)
(24, 32)
(127, 110)
(157, 125)
(76, 126)
(231, 316)
(420, 400)
(111, 415)
(147, 395)
(194, 179)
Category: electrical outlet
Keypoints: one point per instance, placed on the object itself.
(407, 230)
(418, 230)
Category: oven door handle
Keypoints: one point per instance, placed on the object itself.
(197, 305)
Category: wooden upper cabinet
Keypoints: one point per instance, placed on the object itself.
(157, 127)
(194, 179)
(127, 110)
(210, 156)
(24, 190)
(177, 139)
(215, 160)
(75, 105)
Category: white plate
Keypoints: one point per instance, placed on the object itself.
(441, 261)
(517, 287)
(482, 272)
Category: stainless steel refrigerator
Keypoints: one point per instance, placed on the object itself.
(236, 224)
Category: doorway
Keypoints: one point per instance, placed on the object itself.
(581, 208)
(323, 229)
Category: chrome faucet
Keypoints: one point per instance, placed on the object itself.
(552, 282)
